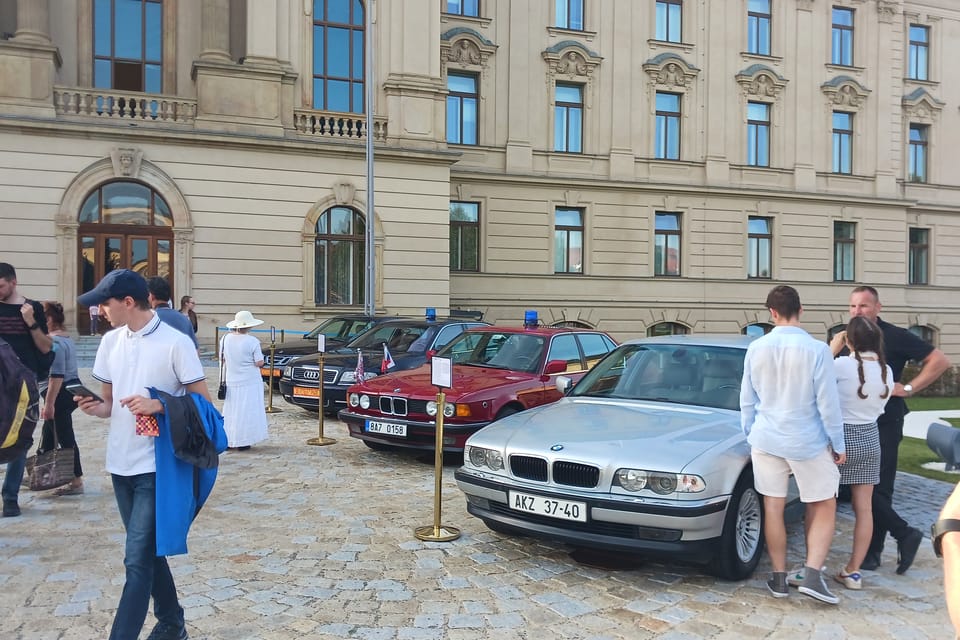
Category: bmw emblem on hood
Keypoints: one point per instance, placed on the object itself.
(556, 447)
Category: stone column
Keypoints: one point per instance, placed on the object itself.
(262, 32)
(33, 21)
(215, 30)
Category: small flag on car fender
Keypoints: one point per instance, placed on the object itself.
(388, 362)
(358, 372)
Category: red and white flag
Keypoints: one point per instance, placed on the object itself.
(388, 362)
(358, 372)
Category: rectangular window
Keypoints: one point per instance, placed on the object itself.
(127, 45)
(461, 108)
(842, 142)
(919, 256)
(842, 37)
(568, 240)
(569, 14)
(669, 20)
(758, 134)
(464, 236)
(568, 118)
(759, 239)
(758, 27)
(917, 160)
(919, 50)
(666, 245)
(463, 7)
(667, 143)
(844, 250)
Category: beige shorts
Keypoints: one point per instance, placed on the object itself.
(817, 478)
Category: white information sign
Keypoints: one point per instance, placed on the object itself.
(321, 343)
(273, 334)
(441, 372)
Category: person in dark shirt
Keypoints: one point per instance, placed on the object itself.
(24, 326)
(900, 346)
(159, 299)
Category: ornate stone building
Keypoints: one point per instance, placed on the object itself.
(640, 166)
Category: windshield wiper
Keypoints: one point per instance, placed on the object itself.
(484, 364)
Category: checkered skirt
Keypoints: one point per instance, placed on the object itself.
(863, 454)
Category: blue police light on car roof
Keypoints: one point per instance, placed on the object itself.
(530, 320)
(431, 314)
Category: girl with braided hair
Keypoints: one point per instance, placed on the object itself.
(864, 382)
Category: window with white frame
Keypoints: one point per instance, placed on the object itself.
(568, 118)
(844, 251)
(918, 63)
(666, 244)
(568, 240)
(462, 100)
(918, 269)
(759, 249)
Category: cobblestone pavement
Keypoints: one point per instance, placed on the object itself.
(317, 542)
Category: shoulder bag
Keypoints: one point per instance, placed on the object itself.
(51, 469)
(222, 389)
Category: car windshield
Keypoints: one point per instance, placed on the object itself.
(399, 339)
(513, 351)
(344, 329)
(706, 376)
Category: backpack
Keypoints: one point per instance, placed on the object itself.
(19, 405)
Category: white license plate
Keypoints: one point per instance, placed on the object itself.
(562, 509)
(387, 428)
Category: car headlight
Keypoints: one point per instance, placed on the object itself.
(432, 408)
(288, 372)
(481, 457)
(364, 401)
(659, 482)
(449, 409)
(354, 399)
(350, 377)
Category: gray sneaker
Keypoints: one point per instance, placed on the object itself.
(815, 587)
(795, 577)
(777, 584)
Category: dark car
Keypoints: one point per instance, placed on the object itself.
(497, 371)
(407, 340)
(339, 330)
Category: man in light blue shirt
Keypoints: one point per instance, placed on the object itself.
(790, 413)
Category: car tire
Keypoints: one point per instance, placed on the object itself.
(741, 543)
(378, 446)
(508, 410)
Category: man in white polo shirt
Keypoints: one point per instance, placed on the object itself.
(140, 352)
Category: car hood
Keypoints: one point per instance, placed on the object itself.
(632, 433)
(344, 358)
(466, 380)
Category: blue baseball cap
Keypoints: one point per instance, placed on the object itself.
(119, 284)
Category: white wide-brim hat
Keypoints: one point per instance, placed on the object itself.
(243, 320)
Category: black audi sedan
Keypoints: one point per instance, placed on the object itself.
(407, 341)
(338, 331)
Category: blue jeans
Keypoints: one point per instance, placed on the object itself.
(146, 573)
(13, 478)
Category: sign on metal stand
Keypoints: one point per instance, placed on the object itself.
(441, 374)
(320, 440)
(273, 360)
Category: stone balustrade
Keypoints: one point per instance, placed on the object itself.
(331, 124)
(98, 103)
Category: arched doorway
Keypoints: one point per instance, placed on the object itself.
(123, 224)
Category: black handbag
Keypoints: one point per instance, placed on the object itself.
(51, 469)
(222, 389)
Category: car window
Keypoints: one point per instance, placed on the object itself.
(564, 347)
(512, 351)
(331, 328)
(686, 374)
(354, 328)
(595, 346)
(447, 334)
(391, 334)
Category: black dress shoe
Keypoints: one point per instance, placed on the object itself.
(10, 509)
(907, 550)
(871, 562)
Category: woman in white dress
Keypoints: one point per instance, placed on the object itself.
(244, 417)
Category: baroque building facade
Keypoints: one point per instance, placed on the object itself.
(638, 166)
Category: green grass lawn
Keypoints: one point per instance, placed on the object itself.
(914, 452)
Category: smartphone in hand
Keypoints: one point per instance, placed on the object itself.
(78, 389)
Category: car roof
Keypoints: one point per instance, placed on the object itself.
(417, 322)
(699, 340)
(537, 331)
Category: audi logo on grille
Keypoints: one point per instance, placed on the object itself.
(311, 374)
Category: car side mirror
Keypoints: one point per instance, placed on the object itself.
(563, 384)
(430, 354)
(555, 366)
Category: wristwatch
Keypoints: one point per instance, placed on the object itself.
(35, 325)
(938, 529)
(908, 388)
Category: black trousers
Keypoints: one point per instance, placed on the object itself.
(885, 518)
(63, 408)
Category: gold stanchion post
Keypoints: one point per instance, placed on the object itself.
(320, 440)
(273, 359)
(438, 532)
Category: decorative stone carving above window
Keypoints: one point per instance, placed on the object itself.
(126, 162)
(920, 107)
(670, 71)
(570, 61)
(887, 9)
(845, 92)
(465, 48)
(760, 81)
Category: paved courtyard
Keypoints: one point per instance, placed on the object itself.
(317, 542)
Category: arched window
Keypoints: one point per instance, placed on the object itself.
(338, 55)
(668, 329)
(834, 330)
(340, 257)
(927, 334)
(757, 329)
